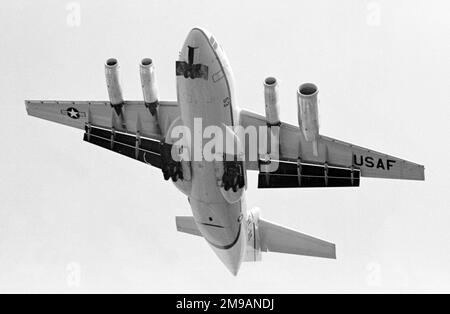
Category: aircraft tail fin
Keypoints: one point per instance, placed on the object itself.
(187, 224)
(275, 238)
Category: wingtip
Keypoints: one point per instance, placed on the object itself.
(27, 106)
(333, 255)
(331, 251)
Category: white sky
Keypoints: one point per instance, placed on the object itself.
(68, 207)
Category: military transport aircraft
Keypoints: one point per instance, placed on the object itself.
(298, 157)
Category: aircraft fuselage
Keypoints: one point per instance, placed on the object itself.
(205, 95)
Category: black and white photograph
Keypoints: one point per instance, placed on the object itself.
(225, 153)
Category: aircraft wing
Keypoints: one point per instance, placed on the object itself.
(332, 161)
(133, 133)
(135, 115)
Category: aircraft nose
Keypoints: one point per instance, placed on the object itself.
(195, 55)
(197, 37)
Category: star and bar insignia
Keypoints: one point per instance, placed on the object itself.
(73, 113)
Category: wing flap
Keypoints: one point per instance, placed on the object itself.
(143, 149)
(304, 175)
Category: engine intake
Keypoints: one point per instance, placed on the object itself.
(308, 116)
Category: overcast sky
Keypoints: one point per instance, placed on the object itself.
(77, 218)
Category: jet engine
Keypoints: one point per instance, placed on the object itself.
(148, 82)
(273, 125)
(271, 100)
(308, 119)
(112, 82)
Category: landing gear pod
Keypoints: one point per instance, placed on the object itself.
(176, 164)
(230, 171)
(148, 83)
(308, 116)
(113, 84)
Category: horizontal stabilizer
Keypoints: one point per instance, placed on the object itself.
(279, 239)
(187, 224)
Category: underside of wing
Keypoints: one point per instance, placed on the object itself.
(328, 152)
(134, 116)
(371, 163)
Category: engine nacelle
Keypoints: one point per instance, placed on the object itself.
(271, 101)
(148, 82)
(113, 83)
(273, 124)
(308, 116)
